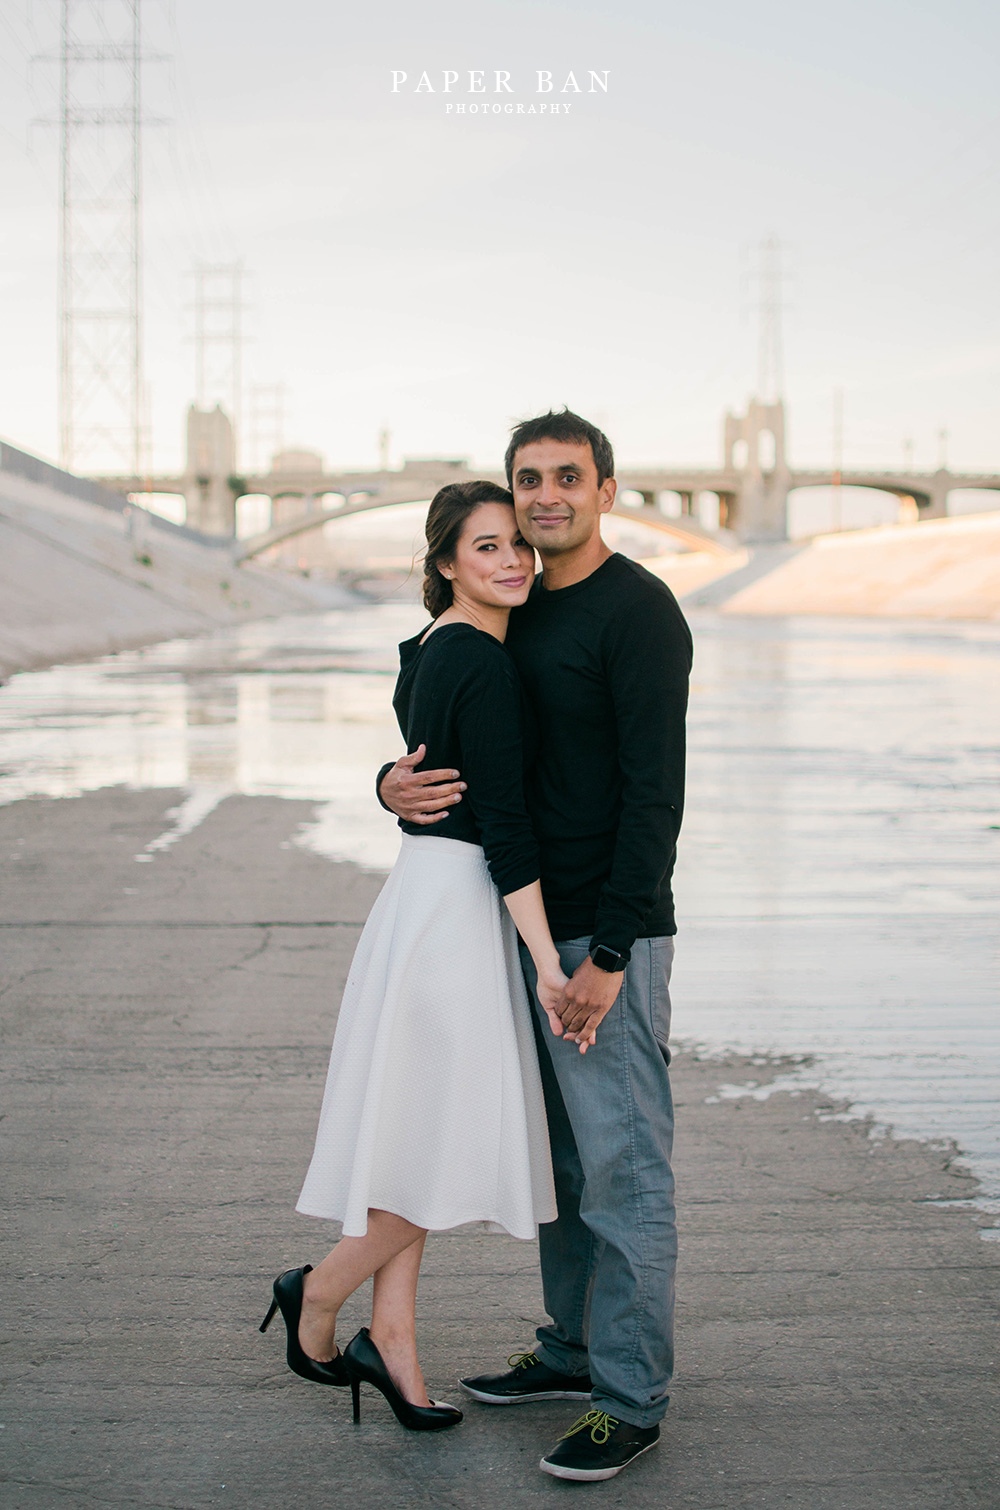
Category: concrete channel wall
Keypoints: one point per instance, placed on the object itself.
(84, 573)
(938, 569)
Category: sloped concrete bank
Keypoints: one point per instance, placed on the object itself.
(80, 578)
(940, 569)
(167, 1029)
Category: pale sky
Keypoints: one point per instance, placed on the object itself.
(443, 275)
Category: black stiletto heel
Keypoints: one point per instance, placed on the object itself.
(288, 1288)
(362, 1360)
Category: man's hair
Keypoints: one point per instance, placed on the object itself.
(564, 426)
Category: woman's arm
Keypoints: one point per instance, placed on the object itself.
(488, 724)
(528, 911)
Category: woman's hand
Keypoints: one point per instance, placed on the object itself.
(551, 990)
(550, 987)
(528, 911)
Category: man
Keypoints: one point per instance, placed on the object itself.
(604, 654)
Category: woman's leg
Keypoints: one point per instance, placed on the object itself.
(347, 1266)
(394, 1321)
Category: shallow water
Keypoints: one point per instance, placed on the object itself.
(838, 873)
(837, 882)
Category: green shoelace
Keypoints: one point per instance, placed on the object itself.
(522, 1360)
(600, 1423)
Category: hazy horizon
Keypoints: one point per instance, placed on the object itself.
(442, 276)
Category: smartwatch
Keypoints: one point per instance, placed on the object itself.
(607, 959)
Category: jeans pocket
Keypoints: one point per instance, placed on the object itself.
(661, 959)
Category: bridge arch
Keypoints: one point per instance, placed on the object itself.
(304, 522)
(979, 500)
(685, 530)
(822, 508)
(253, 512)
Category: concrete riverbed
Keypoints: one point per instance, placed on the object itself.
(836, 878)
(167, 1028)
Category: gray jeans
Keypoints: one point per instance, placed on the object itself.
(608, 1260)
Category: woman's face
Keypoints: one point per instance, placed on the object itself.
(494, 565)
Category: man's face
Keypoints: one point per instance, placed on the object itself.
(557, 497)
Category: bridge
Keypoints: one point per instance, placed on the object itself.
(752, 486)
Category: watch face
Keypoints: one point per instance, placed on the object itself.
(606, 959)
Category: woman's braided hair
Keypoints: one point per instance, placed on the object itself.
(450, 508)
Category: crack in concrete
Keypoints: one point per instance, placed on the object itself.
(255, 953)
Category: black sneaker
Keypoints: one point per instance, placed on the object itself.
(529, 1379)
(597, 1447)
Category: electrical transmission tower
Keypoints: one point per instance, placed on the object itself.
(218, 338)
(770, 354)
(101, 389)
(267, 424)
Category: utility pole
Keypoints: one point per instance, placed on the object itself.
(218, 338)
(943, 450)
(838, 454)
(102, 399)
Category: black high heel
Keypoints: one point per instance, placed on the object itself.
(363, 1360)
(288, 1289)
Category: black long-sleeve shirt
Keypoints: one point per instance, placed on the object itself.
(459, 695)
(605, 666)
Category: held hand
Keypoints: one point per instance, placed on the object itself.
(420, 796)
(550, 988)
(587, 1000)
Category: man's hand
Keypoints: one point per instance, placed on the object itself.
(587, 1000)
(420, 796)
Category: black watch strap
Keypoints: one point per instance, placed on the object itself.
(607, 959)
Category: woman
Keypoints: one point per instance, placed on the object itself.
(433, 1112)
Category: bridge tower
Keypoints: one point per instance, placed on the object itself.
(208, 472)
(754, 449)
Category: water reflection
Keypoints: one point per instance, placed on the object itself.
(837, 880)
(298, 707)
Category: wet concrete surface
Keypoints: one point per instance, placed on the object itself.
(167, 1027)
(836, 880)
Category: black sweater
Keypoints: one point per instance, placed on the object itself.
(459, 695)
(605, 666)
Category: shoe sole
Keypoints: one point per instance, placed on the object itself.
(551, 1394)
(585, 1475)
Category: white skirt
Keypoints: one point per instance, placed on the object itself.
(433, 1107)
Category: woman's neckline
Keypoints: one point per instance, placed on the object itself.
(455, 624)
